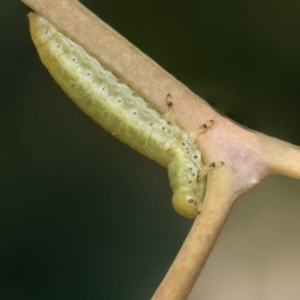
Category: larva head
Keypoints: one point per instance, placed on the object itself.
(185, 203)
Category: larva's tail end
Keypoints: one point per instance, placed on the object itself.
(34, 19)
(36, 24)
(185, 203)
(33, 25)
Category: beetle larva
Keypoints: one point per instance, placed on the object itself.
(119, 110)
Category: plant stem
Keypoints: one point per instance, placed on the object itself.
(249, 156)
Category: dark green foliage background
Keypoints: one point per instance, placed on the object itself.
(83, 216)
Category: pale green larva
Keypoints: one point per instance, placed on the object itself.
(119, 110)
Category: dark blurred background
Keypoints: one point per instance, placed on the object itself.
(85, 217)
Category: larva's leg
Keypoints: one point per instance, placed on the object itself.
(210, 167)
(170, 118)
(199, 208)
(169, 102)
(203, 173)
(169, 115)
(201, 129)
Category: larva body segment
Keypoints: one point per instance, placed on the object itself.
(119, 110)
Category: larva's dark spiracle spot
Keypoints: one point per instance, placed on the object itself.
(119, 110)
